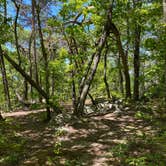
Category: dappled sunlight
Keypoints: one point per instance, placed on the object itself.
(98, 140)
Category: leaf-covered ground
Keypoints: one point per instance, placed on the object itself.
(132, 138)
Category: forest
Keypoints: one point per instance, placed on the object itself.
(82, 82)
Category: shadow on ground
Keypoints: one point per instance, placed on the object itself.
(95, 141)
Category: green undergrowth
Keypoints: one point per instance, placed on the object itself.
(141, 151)
(11, 143)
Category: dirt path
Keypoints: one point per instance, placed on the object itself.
(90, 141)
(21, 113)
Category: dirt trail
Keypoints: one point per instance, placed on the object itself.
(77, 142)
(21, 113)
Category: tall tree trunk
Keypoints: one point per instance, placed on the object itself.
(30, 63)
(105, 75)
(137, 39)
(95, 61)
(85, 89)
(2, 66)
(15, 31)
(34, 42)
(4, 79)
(120, 76)
(124, 60)
(45, 56)
(164, 13)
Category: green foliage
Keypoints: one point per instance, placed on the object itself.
(136, 161)
(11, 144)
(72, 162)
(57, 148)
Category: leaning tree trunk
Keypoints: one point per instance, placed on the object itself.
(85, 89)
(4, 79)
(30, 81)
(95, 61)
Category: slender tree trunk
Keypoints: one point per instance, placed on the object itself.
(45, 56)
(85, 89)
(3, 69)
(53, 83)
(25, 90)
(95, 61)
(164, 13)
(30, 81)
(30, 63)
(105, 75)
(5, 12)
(25, 75)
(4, 79)
(137, 61)
(124, 60)
(34, 42)
(15, 31)
(120, 76)
(74, 96)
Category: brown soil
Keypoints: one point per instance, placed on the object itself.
(75, 142)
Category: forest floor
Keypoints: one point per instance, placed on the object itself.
(104, 140)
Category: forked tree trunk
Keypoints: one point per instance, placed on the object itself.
(92, 66)
(87, 84)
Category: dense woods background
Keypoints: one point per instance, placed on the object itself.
(72, 51)
(63, 50)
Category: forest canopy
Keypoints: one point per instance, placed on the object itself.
(56, 51)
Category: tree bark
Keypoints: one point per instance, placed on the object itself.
(124, 60)
(164, 13)
(85, 89)
(120, 76)
(4, 79)
(105, 75)
(137, 61)
(45, 56)
(30, 81)
(25, 75)
(95, 61)
(34, 42)
(15, 31)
